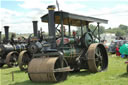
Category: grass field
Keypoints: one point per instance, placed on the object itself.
(115, 75)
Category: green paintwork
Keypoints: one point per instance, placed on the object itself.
(71, 52)
(88, 39)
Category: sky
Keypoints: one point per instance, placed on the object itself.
(19, 14)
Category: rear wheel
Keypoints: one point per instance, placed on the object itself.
(12, 58)
(97, 58)
(24, 60)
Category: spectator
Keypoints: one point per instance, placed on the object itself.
(117, 51)
(105, 44)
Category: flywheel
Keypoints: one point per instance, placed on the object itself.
(87, 39)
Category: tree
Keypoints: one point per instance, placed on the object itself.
(120, 33)
(102, 29)
(112, 30)
(92, 28)
(123, 27)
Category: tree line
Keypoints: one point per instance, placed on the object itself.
(119, 31)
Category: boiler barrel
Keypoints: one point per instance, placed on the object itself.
(71, 52)
(5, 48)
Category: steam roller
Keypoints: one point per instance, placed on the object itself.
(53, 69)
(52, 58)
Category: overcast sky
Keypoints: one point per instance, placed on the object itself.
(19, 14)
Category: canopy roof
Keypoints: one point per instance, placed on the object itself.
(72, 19)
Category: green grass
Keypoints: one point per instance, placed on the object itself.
(115, 75)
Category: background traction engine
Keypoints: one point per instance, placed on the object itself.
(34, 46)
(54, 57)
(9, 50)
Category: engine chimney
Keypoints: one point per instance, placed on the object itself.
(35, 28)
(51, 26)
(6, 28)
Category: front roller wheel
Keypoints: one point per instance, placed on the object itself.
(47, 70)
(12, 58)
(97, 58)
(24, 60)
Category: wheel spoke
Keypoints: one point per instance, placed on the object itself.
(96, 59)
(13, 60)
(99, 58)
(98, 53)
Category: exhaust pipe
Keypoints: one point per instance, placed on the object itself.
(6, 28)
(51, 26)
(35, 28)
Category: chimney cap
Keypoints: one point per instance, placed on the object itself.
(51, 7)
(34, 21)
(6, 26)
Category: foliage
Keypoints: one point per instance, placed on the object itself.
(114, 75)
(17, 35)
(121, 30)
(92, 28)
(123, 27)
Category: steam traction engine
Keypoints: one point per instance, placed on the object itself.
(55, 56)
(9, 50)
(33, 46)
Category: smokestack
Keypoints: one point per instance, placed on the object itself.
(6, 28)
(35, 28)
(51, 26)
(0, 37)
